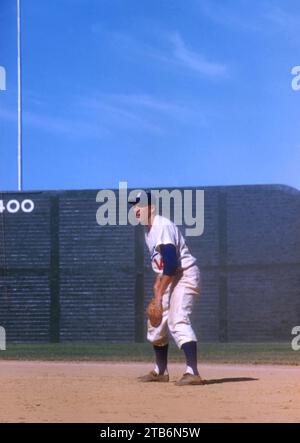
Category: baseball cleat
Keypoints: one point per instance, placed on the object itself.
(154, 377)
(189, 379)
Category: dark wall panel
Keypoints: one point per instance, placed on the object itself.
(64, 277)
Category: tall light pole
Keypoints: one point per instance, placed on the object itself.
(20, 176)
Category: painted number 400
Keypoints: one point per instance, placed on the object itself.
(14, 206)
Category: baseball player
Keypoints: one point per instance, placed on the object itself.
(176, 286)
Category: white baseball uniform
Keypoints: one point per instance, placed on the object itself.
(179, 296)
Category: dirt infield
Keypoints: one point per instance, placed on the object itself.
(109, 392)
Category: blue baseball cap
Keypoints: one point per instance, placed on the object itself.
(143, 199)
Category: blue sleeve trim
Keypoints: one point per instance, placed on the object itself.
(169, 256)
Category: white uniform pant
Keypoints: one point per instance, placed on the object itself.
(178, 301)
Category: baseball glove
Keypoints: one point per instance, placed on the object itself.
(155, 312)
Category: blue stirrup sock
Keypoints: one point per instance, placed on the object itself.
(190, 351)
(161, 354)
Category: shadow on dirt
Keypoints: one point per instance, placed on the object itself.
(228, 380)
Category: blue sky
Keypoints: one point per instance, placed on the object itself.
(155, 92)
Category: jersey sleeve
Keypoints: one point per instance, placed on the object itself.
(170, 261)
(166, 236)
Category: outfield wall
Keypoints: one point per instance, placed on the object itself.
(63, 277)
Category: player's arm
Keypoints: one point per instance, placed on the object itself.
(170, 261)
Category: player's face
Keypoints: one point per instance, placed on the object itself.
(141, 213)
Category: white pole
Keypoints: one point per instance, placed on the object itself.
(20, 178)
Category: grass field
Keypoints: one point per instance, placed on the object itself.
(255, 353)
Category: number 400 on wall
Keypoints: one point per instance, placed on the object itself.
(14, 206)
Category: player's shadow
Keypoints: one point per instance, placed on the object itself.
(214, 381)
